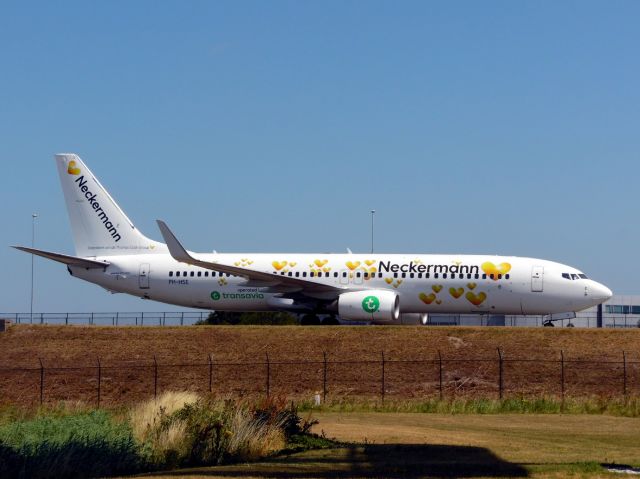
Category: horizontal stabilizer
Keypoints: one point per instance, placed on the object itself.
(65, 259)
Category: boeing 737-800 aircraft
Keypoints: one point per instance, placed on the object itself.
(112, 253)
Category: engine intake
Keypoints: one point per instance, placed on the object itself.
(377, 305)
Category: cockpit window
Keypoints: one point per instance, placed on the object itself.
(583, 276)
(574, 276)
(566, 275)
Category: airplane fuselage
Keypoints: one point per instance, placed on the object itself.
(424, 283)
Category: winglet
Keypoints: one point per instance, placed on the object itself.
(175, 248)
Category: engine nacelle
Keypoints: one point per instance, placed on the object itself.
(377, 305)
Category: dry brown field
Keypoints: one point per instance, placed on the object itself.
(531, 367)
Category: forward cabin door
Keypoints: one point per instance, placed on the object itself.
(537, 279)
(143, 277)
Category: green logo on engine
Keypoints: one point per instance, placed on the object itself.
(215, 295)
(371, 304)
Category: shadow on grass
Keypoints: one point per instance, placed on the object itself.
(386, 460)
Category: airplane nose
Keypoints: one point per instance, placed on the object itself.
(600, 292)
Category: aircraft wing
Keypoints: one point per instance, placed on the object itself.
(179, 253)
(65, 259)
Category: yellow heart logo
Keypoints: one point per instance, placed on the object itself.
(456, 293)
(427, 299)
(476, 299)
(321, 262)
(491, 269)
(292, 264)
(369, 262)
(436, 288)
(72, 169)
(352, 264)
(388, 280)
(326, 269)
(278, 265)
(471, 285)
(373, 269)
(237, 263)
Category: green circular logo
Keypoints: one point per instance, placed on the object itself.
(371, 304)
(215, 295)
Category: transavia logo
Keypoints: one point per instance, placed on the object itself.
(218, 296)
(371, 304)
(72, 169)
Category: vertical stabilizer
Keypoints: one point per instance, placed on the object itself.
(99, 226)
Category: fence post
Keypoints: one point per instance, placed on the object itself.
(624, 374)
(324, 376)
(500, 373)
(562, 376)
(210, 373)
(41, 381)
(99, 379)
(383, 378)
(268, 373)
(440, 375)
(155, 377)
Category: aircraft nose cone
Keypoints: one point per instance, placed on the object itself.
(600, 292)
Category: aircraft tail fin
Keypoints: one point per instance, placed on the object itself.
(99, 226)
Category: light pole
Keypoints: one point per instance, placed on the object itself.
(373, 212)
(33, 242)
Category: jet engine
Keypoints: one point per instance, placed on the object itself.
(377, 305)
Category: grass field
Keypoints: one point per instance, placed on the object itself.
(593, 361)
(432, 445)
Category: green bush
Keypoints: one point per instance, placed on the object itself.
(80, 445)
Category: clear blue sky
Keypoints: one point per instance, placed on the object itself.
(471, 127)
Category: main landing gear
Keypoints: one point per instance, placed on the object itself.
(314, 320)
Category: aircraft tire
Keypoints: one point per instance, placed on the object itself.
(309, 320)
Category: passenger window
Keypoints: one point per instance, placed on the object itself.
(170, 274)
(358, 274)
(506, 276)
(192, 274)
(499, 276)
(379, 275)
(444, 275)
(419, 275)
(311, 274)
(435, 275)
(395, 275)
(427, 275)
(290, 273)
(199, 274)
(410, 275)
(304, 274)
(206, 274)
(344, 274)
(468, 275)
(461, 276)
(184, 273)
(404, 275)
(297, 273)
(484, 276)
(477, 276)
(335, 274)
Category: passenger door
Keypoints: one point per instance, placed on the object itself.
(537, 279)
(143, 277)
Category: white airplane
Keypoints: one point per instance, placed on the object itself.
(112, 253)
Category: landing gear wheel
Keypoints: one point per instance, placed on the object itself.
(548, 324)
(330, 321)
(309, 320)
